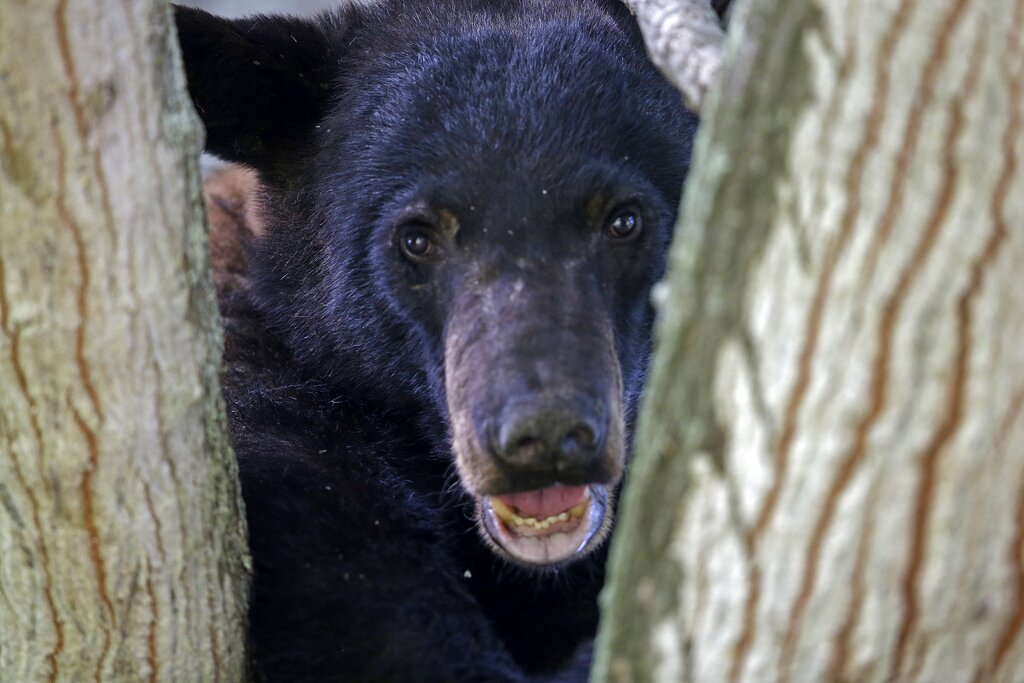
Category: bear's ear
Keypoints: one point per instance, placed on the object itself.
(260, 84)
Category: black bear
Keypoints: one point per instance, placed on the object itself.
(433, 361)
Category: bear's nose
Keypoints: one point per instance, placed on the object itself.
(548, 436)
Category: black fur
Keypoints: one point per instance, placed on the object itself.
(368, 565)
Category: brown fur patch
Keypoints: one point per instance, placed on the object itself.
(232, 209)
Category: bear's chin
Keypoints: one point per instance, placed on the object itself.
(552, 541)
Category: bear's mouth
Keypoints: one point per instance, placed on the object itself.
(546, 527)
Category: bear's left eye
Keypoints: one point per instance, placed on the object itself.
(416, 244)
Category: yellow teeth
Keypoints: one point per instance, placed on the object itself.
(506, 514)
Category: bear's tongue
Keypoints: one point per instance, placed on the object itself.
(545, 502)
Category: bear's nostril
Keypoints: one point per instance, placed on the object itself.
(527, 449)
(577, 441)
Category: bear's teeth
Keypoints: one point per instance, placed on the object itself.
(506, 514)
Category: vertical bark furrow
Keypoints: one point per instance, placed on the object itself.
(921, 104)
(52, 654)
(84, 373)
(1009, 421)
(60, 25)
(86, 489)
(951, 420)
(880, 379)
(166, 452)
(158, 530)
(1014, 624)
(92, 531)
(77, 109)
(841, 643)
(850, 462)
(853, 183)
(786, 437)
(81, 260)
(746, 638)
(1004, 185)
(152, 651)
(13, 336)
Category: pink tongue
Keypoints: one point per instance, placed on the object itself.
(545, 502)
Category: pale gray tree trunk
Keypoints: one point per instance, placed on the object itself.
(122, 551)
(829, 483)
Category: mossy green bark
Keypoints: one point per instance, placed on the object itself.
(742, 147)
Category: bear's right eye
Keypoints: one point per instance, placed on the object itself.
(417, 245)
(624, 224)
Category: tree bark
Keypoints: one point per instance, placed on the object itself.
(684, 39)
(122, 547)
(829, 477)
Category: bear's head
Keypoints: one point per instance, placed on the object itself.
(467, 204)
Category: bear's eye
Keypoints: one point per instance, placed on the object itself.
(624, 223)
(416, 244)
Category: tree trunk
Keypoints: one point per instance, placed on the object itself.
(829, 483)
(122, 548)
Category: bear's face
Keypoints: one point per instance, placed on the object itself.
(472, 214)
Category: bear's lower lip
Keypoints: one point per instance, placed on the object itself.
(558, 536)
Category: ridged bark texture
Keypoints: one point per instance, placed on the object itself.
(829, 478)
(122, 547)
(684, 39)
